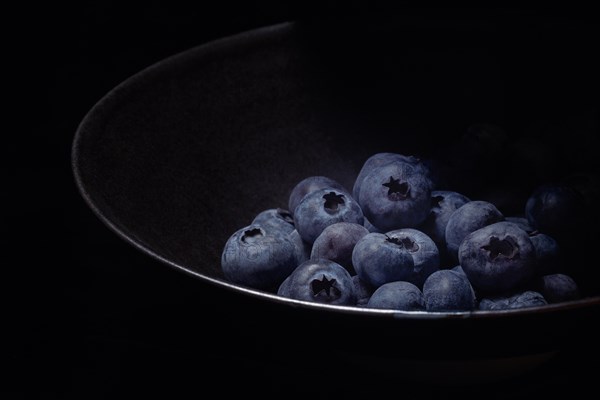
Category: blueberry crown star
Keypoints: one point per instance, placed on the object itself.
(395, 187)
(324, 286)
(333, 200)
(501, 248)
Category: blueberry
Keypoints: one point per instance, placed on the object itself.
(443, 204)
(469, 217)
(547, 253)
(336, 243)
(396, 195)
(422, 249)
(379, 259)
(399, 295)
(448, 290)
(555, 209)
(378, 160)
(277, 218)
(525, 299)
(558, 287)
(251, 257)
(309, 185)
(322, 208)
(320, 281)
(362, 290)
(498, 257)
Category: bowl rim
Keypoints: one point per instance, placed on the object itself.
(207, 48)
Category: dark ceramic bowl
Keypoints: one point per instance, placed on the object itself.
(187, 151)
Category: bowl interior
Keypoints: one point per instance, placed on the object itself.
(179, 156)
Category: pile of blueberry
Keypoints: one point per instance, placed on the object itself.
(396, 241)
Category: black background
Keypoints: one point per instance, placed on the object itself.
(86, 315)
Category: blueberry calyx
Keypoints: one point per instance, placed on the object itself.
(397, 190)
(325, 286)
(506, 247)
(332, 201)
(406, 242)
(252, 235)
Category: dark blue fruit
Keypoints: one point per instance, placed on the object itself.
(396, 195)
(422, 249)
(380, 259)
(547, 253)
(448, 290)
(253, 258)
(555, 209)
(466, 219)
(378, 160)
(399, 295)
(525, 299)
(322, 208)
(498, 257)
(309, 185)
(320, 281)
(336, 243)
(558, 287)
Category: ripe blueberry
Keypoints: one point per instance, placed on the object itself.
(322, 208)
(399, 295)
(253, 258)
(320, 281)
(498, 257)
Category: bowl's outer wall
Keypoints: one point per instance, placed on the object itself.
(184, 153)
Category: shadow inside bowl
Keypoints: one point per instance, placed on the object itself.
(184, 153)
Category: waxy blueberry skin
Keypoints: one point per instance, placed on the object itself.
(322, 208)
(547, 253)
(336, 243)
(320, 281)
(399, 295)
(498, 257)
(254, 258)
(556, 210)
(448, 290)
(524, 299)
(378, 160)
(468, 218)
(379, 259)
(396, 195)
(558, 287)
(422, 249)
(309, 185)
